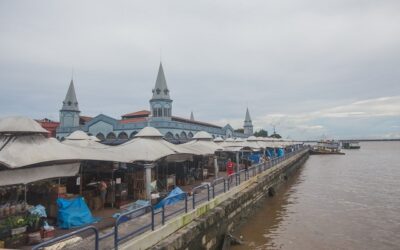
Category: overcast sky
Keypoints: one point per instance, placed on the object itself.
(312, 68)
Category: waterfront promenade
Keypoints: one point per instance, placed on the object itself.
(146, 227)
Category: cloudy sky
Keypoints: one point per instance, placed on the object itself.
(312, 68)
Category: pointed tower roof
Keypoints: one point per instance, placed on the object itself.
(248, 118)
(161, 90)
(191, 116)
(70, 103)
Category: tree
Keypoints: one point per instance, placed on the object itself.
(275, 135)
(261, 133)
(239, 130)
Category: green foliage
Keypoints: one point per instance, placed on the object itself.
(261, 133)
(239, 130)
(278, 136)
(15, 222)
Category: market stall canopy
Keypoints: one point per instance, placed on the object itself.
(92, 150)
(252, 143)
(218, 140)
(32, 174)
(202, 144)
(236, 145)
(28, 146)
(20, 125)
(149, 146)
(81, 139)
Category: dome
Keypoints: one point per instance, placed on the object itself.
(20, 124)
(218, 139)
(239, 140)
(229, 140)
(202, 135)
(149, 132)
(78, 135)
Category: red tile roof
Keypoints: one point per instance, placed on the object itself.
(85, 118)
(140, 113)
(180, 119)
(133, 120)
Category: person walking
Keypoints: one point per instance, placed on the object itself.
(229, 170)
(103, 192)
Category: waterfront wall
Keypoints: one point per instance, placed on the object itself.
(206, 226)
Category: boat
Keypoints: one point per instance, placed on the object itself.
(351, 145)
(327, 147)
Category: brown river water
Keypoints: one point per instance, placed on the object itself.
(347, 201)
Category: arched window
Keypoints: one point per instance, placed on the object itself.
(111, 136)
(100, 136)
(190, 135)
(133, 134)
(183, 135)
(177, 136)
(122, 136)
(169, 135)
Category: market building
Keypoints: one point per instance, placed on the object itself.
(116, 131)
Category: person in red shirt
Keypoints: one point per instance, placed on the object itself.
(229, 169)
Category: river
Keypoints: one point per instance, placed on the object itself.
(347, 201)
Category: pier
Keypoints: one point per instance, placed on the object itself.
(198, 221)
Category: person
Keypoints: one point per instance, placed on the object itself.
(229, 169)
(103, 192)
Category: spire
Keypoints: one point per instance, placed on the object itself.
(70, 102)
(161, 90)
(247, 119)
(191, 116)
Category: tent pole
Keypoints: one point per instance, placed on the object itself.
(148, 168)
(81, 181)
(25, 194)
(237, 162)
(215, 167)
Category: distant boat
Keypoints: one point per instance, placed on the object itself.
(327, 147)
(351, 145)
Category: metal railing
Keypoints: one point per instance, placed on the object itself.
(215, 183)
(69, 235)
(200, 188)
(164, 214)
(125, 217)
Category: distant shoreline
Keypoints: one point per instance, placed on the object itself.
(360, 140)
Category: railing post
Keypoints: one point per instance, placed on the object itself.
(194, 202)
(224, 185)
(163, 215)
(152, 218)
(208, 191)
(186, 203)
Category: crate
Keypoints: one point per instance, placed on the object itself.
(18, 230)
(45, 234)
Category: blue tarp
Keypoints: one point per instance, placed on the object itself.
(281, 152)
(73, 213)
(172, 198)
(271, 152)
(254, 158)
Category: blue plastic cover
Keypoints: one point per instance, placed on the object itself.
(172, 198)
(271, 152)
(281, 152)
(255, 158)
(73, 213)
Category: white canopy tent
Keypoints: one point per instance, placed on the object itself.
(149, 146)
(201, 145)
(24, 147)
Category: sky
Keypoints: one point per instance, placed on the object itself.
(312, 69)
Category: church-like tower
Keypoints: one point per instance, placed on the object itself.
(161, 103)
(248, 125)
(69, 113)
